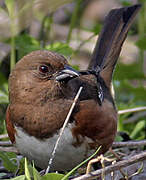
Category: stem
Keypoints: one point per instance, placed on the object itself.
(43, 37)
(42, 33)
(73, 20)
(49, 28)
(83, 43)
(11, 11)
(13, 54)
(141, 32)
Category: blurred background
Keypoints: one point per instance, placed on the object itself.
(71, 27)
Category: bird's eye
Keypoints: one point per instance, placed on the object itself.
(43, 69)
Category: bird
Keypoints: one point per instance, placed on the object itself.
(42, 87)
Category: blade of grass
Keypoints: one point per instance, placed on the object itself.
(139, 126)
(82, 163)
(27, 173)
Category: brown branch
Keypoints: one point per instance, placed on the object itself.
(129, 143)
(115, 167)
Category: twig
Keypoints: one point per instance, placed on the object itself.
(129, 143)
(135, 117)
(2, 136)
(5, 143)
(62, 129)
(83, 42)
(114, 167)
(118, 158)
(74, 19)
(9, 149)
(132, 110)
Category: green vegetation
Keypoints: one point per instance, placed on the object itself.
(129, 79)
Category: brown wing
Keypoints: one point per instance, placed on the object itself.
(9, 125)
(98, 123)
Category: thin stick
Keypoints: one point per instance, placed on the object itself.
(135, 117)
(132, 110)
(84, 42)
(9, 149)
(2, 136)
(5, 143)
(114, 167)
(62, 129)
(129, 143)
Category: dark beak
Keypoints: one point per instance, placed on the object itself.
(67, 73)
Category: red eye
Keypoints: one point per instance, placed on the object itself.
(43, 69)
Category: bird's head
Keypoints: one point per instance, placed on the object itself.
(39, 73)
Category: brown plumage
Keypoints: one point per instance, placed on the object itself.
(42, 87)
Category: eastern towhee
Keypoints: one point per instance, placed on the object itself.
(42, 87)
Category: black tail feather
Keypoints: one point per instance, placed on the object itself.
(110, 41)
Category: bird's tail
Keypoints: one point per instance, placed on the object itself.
(111, 38)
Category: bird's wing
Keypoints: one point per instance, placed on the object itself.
(9, 125)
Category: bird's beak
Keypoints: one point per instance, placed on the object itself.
(67, 73)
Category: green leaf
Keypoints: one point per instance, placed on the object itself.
(120, 123)
(2, 79)
(22, 177)
(76, 67)
(141, 43)
(27, 170)
(26, 39)
(4, 93)
(52, 176)
(8, 162)
(3, 98)
(139, 126)
(36, 175)
(10, 5)
(130, 71)
(96, 29)
(118, 138)
(21, 166)
(61, 48)
(125, 2)
(26, 44)
(127, 92)
(5, 87)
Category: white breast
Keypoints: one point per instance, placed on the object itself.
(67, 156)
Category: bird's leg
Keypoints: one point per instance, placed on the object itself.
(118, 158)
(100, 158)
